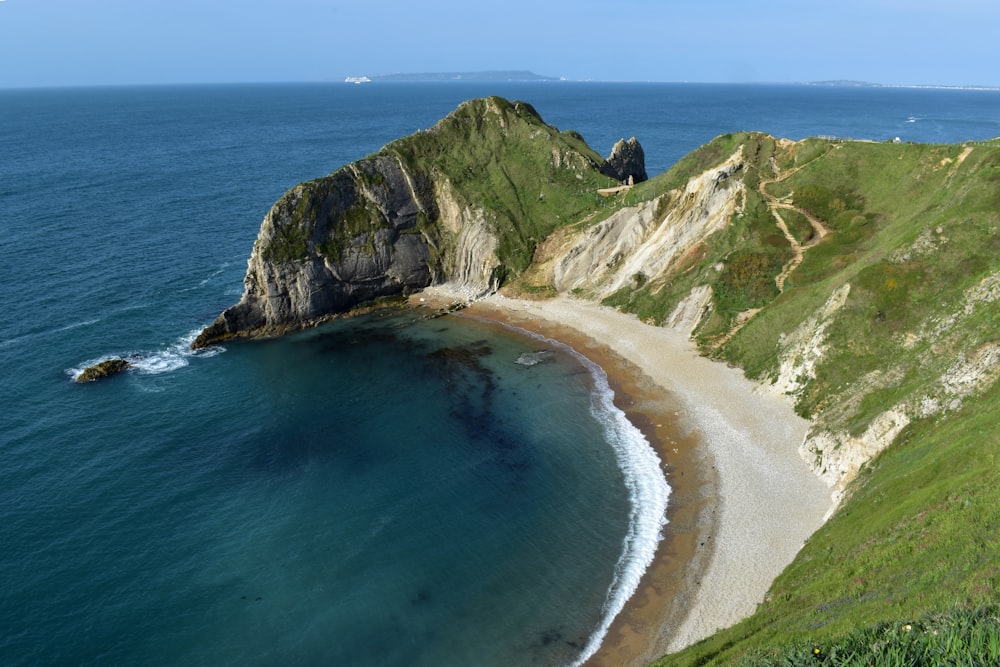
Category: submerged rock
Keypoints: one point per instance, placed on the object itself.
(103, 370)
(533, 358)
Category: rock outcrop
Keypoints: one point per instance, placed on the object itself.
(464, 202)
(649, 239)
(103, 370)
(627, 162)
(307, 262)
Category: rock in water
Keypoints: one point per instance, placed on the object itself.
(103, 370)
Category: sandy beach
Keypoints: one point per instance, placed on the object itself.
(742, 501)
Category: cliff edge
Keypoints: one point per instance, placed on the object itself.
(464, 202)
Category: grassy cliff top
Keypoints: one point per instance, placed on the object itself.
(907, 238)
(502, 159)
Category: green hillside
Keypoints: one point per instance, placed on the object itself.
(861, 279)
(502, 158)
(911, 234)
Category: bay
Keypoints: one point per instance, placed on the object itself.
(375, 492)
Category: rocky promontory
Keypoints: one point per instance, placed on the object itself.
(465, 202)
(858, 280)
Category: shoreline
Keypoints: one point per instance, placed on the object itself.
(742, 501)
(654, 604)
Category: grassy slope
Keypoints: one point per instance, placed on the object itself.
(752, 249)
(913, 230)
(921, 533)
(499, 157)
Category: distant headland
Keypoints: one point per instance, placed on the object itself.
(493, 75)
(528, 76)
(843, 83)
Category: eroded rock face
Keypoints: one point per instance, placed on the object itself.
(462, 203)
(331, 244)
(627, 162)
(638, 242)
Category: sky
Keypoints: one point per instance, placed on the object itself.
(119, 42)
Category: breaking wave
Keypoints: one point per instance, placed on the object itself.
(165, 360)
(648, 495)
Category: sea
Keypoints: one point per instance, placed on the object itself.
(374, 492)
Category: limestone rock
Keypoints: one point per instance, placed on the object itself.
(463, 203)
(627, 162)
(638, 240)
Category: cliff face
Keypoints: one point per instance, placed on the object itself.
(649, 239)
(464, 202)
(330, 244)
(832, 272)
(773, 254)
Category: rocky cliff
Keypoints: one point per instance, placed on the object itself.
(464, 202)
(861, 280)
(772, 253)
(832, 272)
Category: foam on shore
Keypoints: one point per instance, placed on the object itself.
(648, 494)
(764, 503)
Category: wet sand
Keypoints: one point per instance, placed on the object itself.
(742, 500)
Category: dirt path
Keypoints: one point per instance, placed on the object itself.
(775, 205)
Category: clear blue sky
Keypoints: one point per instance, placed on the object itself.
(99, 42)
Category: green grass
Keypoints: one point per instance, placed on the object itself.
(523, 177)
(959, 637)
(501, 158)
(751, 249)
(912, 232)
(919, 535)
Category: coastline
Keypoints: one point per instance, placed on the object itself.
(742, 501)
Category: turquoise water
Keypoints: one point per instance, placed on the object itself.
(373, 492)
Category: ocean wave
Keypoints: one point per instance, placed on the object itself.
(165, 360)
(210, 279)
(648, 496)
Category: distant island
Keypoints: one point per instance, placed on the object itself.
(866, 84)
(526, 76)
(496, 75)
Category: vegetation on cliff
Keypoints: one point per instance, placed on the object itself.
(861, 279)
(500, 157)
(884, 332)
(465, 201)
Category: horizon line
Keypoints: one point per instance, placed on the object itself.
(831, 83)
